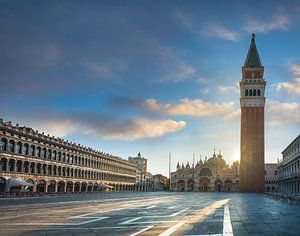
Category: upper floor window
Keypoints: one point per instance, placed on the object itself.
(258, 92)
(38, 151)
(11, 146)
(26, 149)
(19, 148)
(3, 144)
(32, 150)
(246, 92)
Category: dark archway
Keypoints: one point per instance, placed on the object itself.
(41, 186)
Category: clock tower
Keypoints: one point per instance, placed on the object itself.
(252, 102)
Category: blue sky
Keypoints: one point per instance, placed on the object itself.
(148, 76)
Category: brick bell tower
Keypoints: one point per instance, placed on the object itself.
(252, 101)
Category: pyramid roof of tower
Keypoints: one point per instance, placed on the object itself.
(252, 59)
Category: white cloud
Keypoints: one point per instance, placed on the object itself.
(142, 128)
(234, 115)
(279, 22)
(184, 72)
(292, 87)
(227, 89)
(279, 113)
(213, 29)
(179, 73)
(56, 127)
(132, 129)
(296, 69)
(188, 107)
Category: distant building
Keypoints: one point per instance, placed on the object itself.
(208, 175)
(271, 177)
(289, 168)
(143, 178)
(35, 162)
(252, 101)
(160, 183)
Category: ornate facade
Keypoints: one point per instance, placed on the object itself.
(271, 177)
(209, 175)
(289, 168)
(252, 101)
(52, 164)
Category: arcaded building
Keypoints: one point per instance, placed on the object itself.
(252, 102)
(289, 168)
(49, 164)
(210, 175)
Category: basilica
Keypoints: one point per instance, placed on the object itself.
(212, 174)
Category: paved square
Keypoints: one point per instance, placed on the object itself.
(150, 214)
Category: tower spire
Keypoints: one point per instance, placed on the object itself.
(252, 59)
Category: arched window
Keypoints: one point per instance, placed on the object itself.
(32, 150)
(38, 152)
(3, 144)
(258, 92)
(250, 92)
(64, 157)
(246, 92)
(54, 155)
(26, 149)
(44, 153)
(49, 154)
(19, 148)
(11, 146)
(59, 156)
(254, 92)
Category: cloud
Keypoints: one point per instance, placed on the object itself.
(280, 113)
(292, 87)
(104, 128)
(280, 21)
(227, 89)
(213, 29)
(141, 128)
(179, 73)
(197, 107)
(234, 115)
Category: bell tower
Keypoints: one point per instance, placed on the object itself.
(252, 102)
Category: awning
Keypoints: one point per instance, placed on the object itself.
(102, 185)
(12, 182)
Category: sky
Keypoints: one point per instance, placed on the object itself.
(155, 77)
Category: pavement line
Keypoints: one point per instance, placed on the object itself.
(171, 207)
(57, 223)
(149, 207)
(172, 229)
(93, 220)
(130, 221)
(141, 231)
(204, 235)
(227, 227)
(153, 222)
(179, 212)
